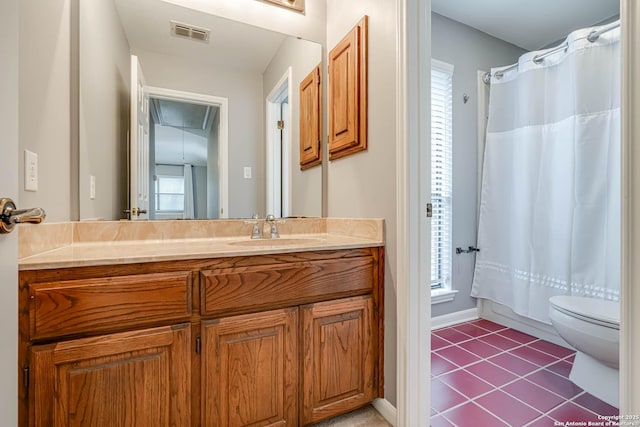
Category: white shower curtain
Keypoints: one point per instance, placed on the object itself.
(550, 201)
(188, 193)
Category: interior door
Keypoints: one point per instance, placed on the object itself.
(9, 188)
(138, 145)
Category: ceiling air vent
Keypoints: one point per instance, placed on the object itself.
(189, 31)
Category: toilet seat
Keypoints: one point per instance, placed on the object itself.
(592, 310)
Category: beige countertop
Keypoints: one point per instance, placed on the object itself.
(54, 247)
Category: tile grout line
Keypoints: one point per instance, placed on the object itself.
(518, 377)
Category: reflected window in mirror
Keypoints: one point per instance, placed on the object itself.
(170, 195)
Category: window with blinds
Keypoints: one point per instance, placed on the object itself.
(441, 173)
(169, 194)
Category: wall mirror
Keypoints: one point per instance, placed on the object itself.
(192, 102)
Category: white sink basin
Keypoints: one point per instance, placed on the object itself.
(273, 242)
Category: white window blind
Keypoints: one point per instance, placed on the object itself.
(441, 173)
(169, 193)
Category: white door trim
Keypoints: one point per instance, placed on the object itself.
(413, 191)
(9, 188)
(223, 134)
(630, 292)
(273, 100)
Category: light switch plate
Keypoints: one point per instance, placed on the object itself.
(247, 172)
(30, 171)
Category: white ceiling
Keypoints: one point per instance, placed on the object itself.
(528, 24)
(177, 146)
(244, 47)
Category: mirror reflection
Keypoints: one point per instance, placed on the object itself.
(182, 143)
(165, 90)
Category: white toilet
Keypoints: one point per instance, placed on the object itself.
(592, 326)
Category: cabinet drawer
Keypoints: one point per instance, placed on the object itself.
(244, 289)
(109, 303)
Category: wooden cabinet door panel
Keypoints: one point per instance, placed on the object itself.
(310, 120)
(343, 95)
(347, 106)
(128, 379)
(339, 357)
(250, 370)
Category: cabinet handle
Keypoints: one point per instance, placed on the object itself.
(198, 345)
(25, 379)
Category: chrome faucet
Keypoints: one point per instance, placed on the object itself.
(274, 225)
(256, 232)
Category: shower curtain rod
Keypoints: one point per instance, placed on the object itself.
(592, 37)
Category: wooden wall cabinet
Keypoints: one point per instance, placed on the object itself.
(311, 120)
(348, 93)
(270, 340)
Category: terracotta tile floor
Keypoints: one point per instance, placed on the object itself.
(486, 375)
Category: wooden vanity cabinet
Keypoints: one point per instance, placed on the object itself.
(270, 340)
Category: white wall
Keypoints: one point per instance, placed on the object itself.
(44, 110)
(246, 122)
(302, 56)
(468, 50)
(9, 188)
(104, 65)
(364, 184)
(200, 191)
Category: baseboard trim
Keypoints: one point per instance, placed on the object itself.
(453, 318)
(387, 410)
(505, 316)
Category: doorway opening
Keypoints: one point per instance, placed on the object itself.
(278, 131)
(187, 159)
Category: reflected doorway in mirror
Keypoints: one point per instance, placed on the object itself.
(188, 155)
(279, 136)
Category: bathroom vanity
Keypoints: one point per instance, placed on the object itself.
(213, 332)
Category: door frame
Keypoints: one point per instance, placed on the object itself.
(413, 188)
(630, 254)
(413, 129)
(223, 134)
(273, 101)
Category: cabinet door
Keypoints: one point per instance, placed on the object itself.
(348, 93)
(310, 120)
(140, 378)
(250, 370)
(339, 357)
